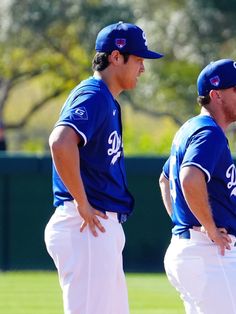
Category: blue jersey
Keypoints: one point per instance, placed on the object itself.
(95, 116)
(201, 142)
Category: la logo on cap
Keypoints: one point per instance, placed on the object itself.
(215, 81)
(120, 42)
(145, 39)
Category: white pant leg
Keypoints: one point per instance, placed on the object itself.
(120, 298)
(90, 268)
(205, 280)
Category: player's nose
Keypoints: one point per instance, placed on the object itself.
(142, 68)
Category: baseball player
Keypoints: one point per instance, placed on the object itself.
(85, 236)
(198, 187)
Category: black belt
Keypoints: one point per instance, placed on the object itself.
(120, 217)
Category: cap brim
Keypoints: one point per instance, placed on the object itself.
(147, 54)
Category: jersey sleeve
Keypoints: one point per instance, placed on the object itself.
(166, 168)
(204, 150)
(85, 115)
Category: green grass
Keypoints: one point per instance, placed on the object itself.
(152, 294)
(39, 293)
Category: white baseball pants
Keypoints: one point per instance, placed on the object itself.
(90, 268)
(205, 280)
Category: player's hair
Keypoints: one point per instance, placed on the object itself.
(204, 100)
(100, 61)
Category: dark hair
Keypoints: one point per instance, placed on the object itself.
(204, 100)
(100, 61)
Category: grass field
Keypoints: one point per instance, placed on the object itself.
(39, 293)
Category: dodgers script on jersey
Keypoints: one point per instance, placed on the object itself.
(91, 110)
(204, 145)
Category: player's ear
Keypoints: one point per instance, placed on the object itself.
(215, 94)
(115, 57)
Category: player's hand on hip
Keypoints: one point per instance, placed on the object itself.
(221, 238)
(90, 216)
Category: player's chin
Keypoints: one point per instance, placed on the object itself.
(131, 85)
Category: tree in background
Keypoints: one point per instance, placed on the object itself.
(190, 33)
(50, 44)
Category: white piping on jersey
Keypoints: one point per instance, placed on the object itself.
(74, 127)
(199, 166)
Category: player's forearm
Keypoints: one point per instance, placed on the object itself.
(195, 192)
(165, 193)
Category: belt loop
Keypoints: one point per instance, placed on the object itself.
(185, 234)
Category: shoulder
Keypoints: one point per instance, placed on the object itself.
(208, 126)
(90, 92)
(203, 124)
(198, 130)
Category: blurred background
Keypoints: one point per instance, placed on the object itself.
(46, 49)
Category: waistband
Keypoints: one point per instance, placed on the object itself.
(184, 235)
(69, 208)
(198, 236)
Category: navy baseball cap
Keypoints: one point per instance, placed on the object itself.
(220, 74)
(126, 38)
